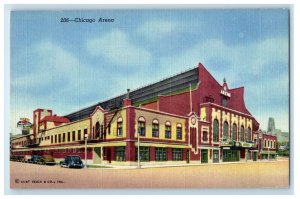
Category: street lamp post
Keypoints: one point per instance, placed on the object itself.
(85, 151)
(139, 164)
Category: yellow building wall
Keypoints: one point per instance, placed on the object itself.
(150, 116)
(79, 125)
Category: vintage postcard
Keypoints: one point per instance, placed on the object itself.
(150, 98)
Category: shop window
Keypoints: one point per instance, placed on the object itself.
(225, 130)
(168, 130)
(144, 154)
(205, 136)
(120, 127)
(234, 132)
(177, 154)
(79, 134)
(160, 154)
(179, 132)
(242, 136)
(120, 153)
(155, 128)
(141, 126)
(216, 130)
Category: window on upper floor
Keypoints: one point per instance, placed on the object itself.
(242, 134)
(168, 130)
(73, 136)
(205, 136)
(120, 127)
(141, 126)
(179, 132)
(249, 134)
(225, 130)
(79, 134)
(234, 132)
(215, 130)
(155, 128)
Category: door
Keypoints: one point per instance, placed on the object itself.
(97, 155)
(108, 155)
(187, 156)
(204, 156)
(215, 156)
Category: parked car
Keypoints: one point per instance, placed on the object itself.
(35, 158)
(26, 158)
(19, 158)
(46, 159)
(13, 158)
(72, 161)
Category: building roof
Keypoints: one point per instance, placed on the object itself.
(55, 118)
(162, 87)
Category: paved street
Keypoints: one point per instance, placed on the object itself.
(239, 175)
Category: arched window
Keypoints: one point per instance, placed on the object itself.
(155, 128)
(97, 129)
(234, 132)
(216, 130)
(265, 144)
(249, 134)
(120, 126)
(168, 130)
(225, 130)
(242, 132)
(179, 131)
(142, 126)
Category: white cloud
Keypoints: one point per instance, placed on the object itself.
(116, 47)
(157, 29)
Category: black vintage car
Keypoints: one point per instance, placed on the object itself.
(72, 161)
(35, 159)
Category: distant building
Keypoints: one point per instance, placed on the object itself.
(271, 126)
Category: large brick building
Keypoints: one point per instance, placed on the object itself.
(186, 118)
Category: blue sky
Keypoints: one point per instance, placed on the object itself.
(68, 66)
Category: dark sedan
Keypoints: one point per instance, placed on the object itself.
(72, 161)
(35, 159)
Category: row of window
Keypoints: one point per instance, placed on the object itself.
(68, 137)
(160, 154)
(155, 129)
(242, 136)
(270, 144)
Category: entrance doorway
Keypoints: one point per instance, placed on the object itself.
(97, 155)
(231, 155)
(215, 156)
(204, 156)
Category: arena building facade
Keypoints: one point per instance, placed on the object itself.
(187, 118)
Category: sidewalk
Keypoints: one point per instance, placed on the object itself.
(102, 166)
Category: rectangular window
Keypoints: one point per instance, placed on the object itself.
(51, 139)
(155, 130)
(144, 154)
(69, 137)
(74, 150)
(177, 154)
(59, 138)
(73, 136)
(85, 132)
(120, 153)
(141, 128)
(168, 132)
(79, 134)
(160, 154)
(205, 136)
(64, 137)
(120, 129)
(55, 138)
(179, 133)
